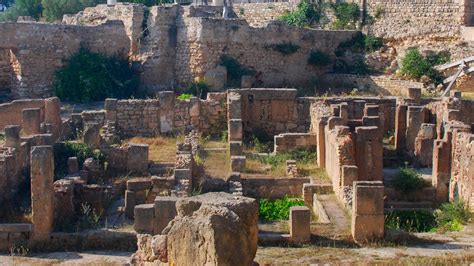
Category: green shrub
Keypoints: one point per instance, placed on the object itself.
(347, 15)
(30, 8)
(410, 221)
(198, 89)
(452, 216)
(359, 43)
(319, 58)
(274, 210)
(260, 146)
(306, 13)
(62, 151)
(93, 77)
(414, 65)
(408, 180)
(88, 219)
(184, 96)
(235, 70)
(286, 48)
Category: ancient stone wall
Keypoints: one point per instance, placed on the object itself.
(12, 112)
(152, 117)
(420, 18)
(383, 85)
(6, 71)
(252, 47)
(274, 111)
(462, 168)
(39, 49)
(260, 14)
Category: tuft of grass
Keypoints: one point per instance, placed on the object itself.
(184, 97)
(274, 210)
(411, 221)
(452, 216)
(408, 180)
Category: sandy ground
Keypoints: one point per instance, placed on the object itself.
(69, 258)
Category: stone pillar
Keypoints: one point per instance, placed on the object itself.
(235, 129)
(367, 211)
(300, 221)
(237, 163)
(369, 153)
(415, 117)
(92, 135)
(52, 116)
(234, 106)
(321, 141)
(111, 109)
(414, 94)
(167, 99)
(195, 111)
(442, 166)
(144, 215)
(12, 136)
(349, 174)
(401, 127)
(137, 158)
(235, 148)
(72, 165)
(42, 194)
(31, 121)
(343, 112)
(165, 211)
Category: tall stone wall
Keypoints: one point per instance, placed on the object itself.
(396, 19)
(252, 48)
(462, 168)
(5, 71)
(260, 14)
(40, 49)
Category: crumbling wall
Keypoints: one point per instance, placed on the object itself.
(462, 168)
(39, 49)
(274, 111)
(12, 111)
(421, 18)
(260, 14)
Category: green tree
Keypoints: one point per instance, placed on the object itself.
(56, 9)
(306, 13)
(30, 8)
(347, 15)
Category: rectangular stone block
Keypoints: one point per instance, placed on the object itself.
(165, 211)
(366, 228)
(31, 121)
(72, 165)
(12, 136)
(138, 184)
(130, 203)
(182, 174)
(144, 215)
(368, 200)
(137, 158)
(237, 163)
(235, 148)
(300, 221)
(235, 129)
(349, 174)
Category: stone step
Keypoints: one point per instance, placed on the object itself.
(406, 205)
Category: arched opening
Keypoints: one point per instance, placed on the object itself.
(10, 73)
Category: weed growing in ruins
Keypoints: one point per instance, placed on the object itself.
(347, 15)
(235, 70)
(452, 216)
(184, 97)
(411, 221)
(89, 218)
(414, 65)
(260, 146)
(319, 58)
(19, 248)
(62, 151)
(305, 15)
(285, 48)
(198, 89)
(408, 180)
(279, 209)
(92, 77)
(360, 43)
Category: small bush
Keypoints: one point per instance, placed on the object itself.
(235, 70)
(184, 97)
(360, 43)
(88, 219)
(452, 216)
(260, 146)
(319, 58)
(73, 149)
(198, 89)
(285, 48)
(414, 65)
(408, 180)
(306, 13)
(93, 77)
(410, 221)
(274, 210)
(347, 15)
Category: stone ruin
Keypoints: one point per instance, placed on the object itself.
(346, 133)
